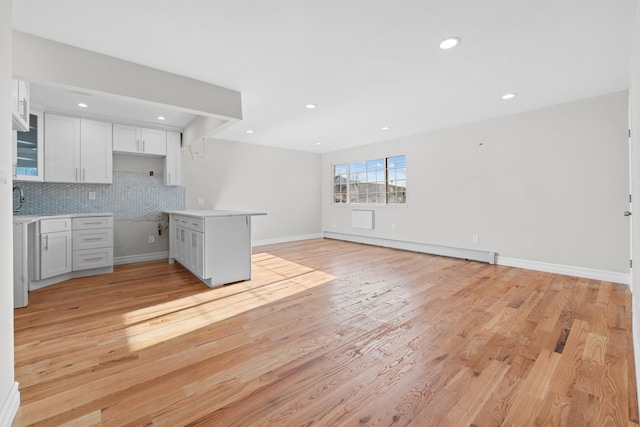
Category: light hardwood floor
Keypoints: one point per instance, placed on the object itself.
(328, 333)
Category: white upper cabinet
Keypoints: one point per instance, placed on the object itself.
(96, 155)
(172, 162)
(20, 105)
(137, 140)
(28, 160)
(62, 148)
(77, 150)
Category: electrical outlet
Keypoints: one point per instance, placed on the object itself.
(152, 239)
(393, 226)
(200, 200)
(475, 238)
(92, 195)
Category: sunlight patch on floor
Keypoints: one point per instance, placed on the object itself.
(274, 278)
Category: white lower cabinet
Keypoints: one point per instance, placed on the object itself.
(92, 243)
(67, 247)
(213, 245)
(189, 245)
(55, 247)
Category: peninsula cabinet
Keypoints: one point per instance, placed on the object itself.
(137, 140)
(214, 245)
(77, 150)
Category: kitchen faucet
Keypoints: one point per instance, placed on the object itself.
(20, 199)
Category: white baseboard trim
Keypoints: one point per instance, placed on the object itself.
(567, 270)
(286, 239)
(130, 259)
(10, 407)
(470, 254)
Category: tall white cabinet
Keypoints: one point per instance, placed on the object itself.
(77, 150)
(172, 161)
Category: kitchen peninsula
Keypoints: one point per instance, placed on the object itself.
(214, 245)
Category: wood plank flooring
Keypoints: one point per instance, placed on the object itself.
(328, 333)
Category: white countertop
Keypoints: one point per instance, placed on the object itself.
(33, 218)
(213, 213)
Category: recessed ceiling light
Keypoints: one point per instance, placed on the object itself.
(385, 128)
(161, 118)
(509, 95)
(248, 131)
(310, 106)
(83, 105)
(318, 143)
(449, 43)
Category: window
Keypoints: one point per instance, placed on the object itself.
(378, 181)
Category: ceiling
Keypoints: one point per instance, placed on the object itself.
(366, 64)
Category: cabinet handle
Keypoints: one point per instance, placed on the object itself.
(15, 170)
(93, 259)
(94, 222)
(169, 178)
(83, 178)
(193, 240)
(46, 242)
(23, 104)
(92, 238)
(77, 175)
(138, 145)
(144, 146)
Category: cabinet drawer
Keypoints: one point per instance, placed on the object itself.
(92, 258)
(86, 223)
(88, 239)
(53, 225)
(196, 224)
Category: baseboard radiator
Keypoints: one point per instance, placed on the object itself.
(470, 254)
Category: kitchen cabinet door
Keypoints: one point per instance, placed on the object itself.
(55, 254)
(126, 139)
(172, 162)
(96, 154)
(28, 161)
(62, 148)
(154, 141)
(20, 105)
(136, 140)
(179, 244)
(196, 253)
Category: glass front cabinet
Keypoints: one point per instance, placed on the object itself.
(28, 163)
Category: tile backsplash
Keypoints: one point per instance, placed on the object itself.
(133, 196)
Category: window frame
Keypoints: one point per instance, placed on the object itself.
(346, 187)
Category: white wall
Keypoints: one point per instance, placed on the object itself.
(130, 238)
(548, 185)
(283, 183)
(634, 116)
(8, 390)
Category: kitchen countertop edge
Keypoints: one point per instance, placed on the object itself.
(213, 213)
(33, 218)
